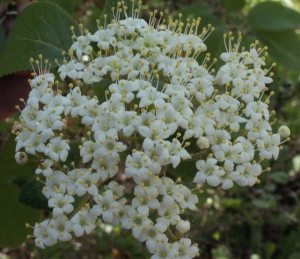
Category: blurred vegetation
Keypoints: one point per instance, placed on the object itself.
(259, 222)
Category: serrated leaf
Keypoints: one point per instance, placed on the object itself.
(279, 177)
(283, 46)
(2, 36)
(31, 195)
(109, 4)
(272, 15)
(14, 214)
(67, 5)
(42, 28)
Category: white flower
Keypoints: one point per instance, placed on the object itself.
(82, 46)
(183, 226)
(117, 189)
(137, 164)
(106, 166)
(55, 183)
(108, 144)
(164, 251)
(229, 72)
(89, 111)
(246, 174)
(203, 142)
(75, 102)
(42, 238)
(106, 206)
(284, 131)
(149, 96)
(61, 204)
(176, 152)
(168, 211)
(257, 110)
(48, 123)
(60, 228)
(57, 149)
(147, 186)
(70, 69)
(40, 80)
(103, 37)
(83, 222)
(247, 90)
(125, 89)
(157, 130)
(209, 172)
(145, 202)
(22, 138)
(185, 249)
(257, 128)
(87, 150)
(137, 221)
(126, 121)
(21, 158)
(268, 145)
(189, 200)
(153, 235)
(87, 182)
(216, 137)
(30, 116)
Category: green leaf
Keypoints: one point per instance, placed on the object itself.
(67, 5)
(294, 255)
(14, 215)
(232, 203)
(233, 5)
(42, 28)
(19, 181)
(31, 195)
(109, 4)
(268, 202)
(2, 36)
(279, 177)
(100, 88)
(270, 248)
(91, 19)
(283, 46)
(74, 154)
(272, 15)
(185, 170)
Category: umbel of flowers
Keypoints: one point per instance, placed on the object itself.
(160, 102)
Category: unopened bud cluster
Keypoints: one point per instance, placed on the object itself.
(160, 103)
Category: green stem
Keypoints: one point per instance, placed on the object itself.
(170, 235)
(134, 139)
(195, 157)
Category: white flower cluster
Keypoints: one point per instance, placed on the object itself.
(160, 102)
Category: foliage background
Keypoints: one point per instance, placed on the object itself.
(261, 222)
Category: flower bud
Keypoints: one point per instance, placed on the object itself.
(284, 131)
(203, 142)
(21, 158)
(183, 226)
